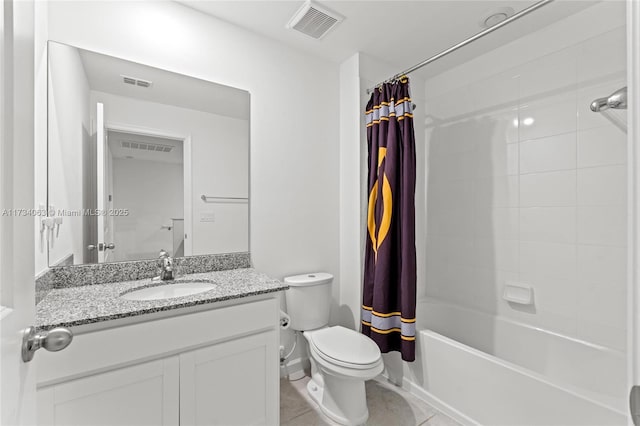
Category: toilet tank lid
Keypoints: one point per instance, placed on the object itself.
(308, 279)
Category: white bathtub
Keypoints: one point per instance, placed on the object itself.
(494, 371)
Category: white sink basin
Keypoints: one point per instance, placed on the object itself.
(170, 290)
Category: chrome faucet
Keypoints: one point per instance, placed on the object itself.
(165, 263)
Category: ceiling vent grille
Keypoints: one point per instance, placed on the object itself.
(146, 146)
(313, 20)
(136, 81)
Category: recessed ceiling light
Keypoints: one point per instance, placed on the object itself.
(495, 16)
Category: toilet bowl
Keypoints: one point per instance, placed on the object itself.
(341, 359)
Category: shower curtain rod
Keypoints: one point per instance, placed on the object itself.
(473, 38)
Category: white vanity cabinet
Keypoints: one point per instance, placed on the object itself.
(142, 394)
(214, 367)
(228, 384)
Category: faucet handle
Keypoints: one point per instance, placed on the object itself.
(162, 258)
(165, 263)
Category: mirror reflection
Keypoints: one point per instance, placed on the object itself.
(141, 159)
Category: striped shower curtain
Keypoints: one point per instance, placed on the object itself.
(389, 293)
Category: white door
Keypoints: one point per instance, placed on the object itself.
(102, 167)
(633, 323)
(17, 310)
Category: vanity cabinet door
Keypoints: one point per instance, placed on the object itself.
(143, 394)
(231, 383)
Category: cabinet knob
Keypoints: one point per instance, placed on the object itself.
(53, 340)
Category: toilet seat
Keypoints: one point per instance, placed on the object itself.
(346, 348)
(341, 361)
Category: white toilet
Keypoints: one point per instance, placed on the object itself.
(341, 359)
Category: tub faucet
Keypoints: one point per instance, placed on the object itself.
(165, 262)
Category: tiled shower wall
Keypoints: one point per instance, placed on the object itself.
(526, 184)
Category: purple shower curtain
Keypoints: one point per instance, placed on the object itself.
(389, 293)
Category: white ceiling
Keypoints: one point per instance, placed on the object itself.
(401, 33)
(104, 74)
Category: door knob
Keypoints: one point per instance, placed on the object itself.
(634, 404)
(101, 246)
(53, 340)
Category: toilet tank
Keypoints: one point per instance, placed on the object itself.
(309, 300)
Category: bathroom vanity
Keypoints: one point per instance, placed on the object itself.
(209, 358)
(162, 172)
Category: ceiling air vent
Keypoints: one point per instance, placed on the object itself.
(313, 20)
(146, 146)
(143, 83)
(136, 81)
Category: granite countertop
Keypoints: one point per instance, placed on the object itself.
(75, 306)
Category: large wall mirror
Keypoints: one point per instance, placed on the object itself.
(142, 159)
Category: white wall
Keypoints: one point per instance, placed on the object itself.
(294, 186)
(139, 235)
(352, 149)
(526, 184)
(69, 136)
(293, 126)
(219, 164)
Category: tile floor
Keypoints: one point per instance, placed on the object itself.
(388, 406)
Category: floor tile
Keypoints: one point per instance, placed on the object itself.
(310, 418)
(291, 402)
(388, 405)
(440, 420)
